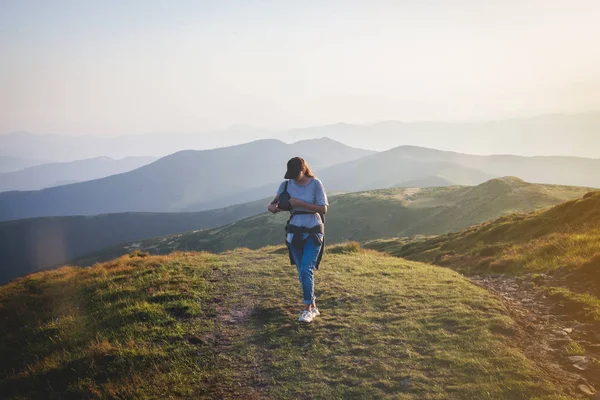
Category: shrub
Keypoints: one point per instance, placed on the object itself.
(347, 247)
(138, 253)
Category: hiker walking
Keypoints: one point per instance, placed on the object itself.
(304, 196)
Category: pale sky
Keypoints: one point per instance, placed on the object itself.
(109, 68)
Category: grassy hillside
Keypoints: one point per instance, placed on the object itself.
(27, 245)
(373, 214)
(201, 325)
(558, 248)
(427, 181)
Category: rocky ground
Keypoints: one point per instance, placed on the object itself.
(568, 351)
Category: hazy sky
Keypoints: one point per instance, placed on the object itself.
(120, 67)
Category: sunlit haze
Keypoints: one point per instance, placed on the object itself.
(115, 68)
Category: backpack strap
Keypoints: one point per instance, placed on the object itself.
(300, 229)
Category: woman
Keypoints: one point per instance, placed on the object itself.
(305, 228)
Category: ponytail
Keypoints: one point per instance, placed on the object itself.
(307, 170)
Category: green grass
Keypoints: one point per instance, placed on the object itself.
(574, 349)
(200, 325)
(558, 247)
(368, 215)
(556, 250)
(581, 305)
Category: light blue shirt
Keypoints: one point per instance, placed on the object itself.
(313, 193)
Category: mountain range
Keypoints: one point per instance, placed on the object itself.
(185, 181)
(550, 134)
(57, 174)
(63, 148)
(10, 163)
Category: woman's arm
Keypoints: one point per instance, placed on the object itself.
(312, 207)
(272, 207)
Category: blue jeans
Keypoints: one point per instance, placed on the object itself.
(305, 258)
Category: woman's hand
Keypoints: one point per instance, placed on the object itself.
(273, 208)
(312, 207)
(297, 202)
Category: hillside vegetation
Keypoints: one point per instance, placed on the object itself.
(371, 215)
(28, 245)
(558, 248)
(201, 325)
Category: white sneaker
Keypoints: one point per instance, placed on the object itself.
(306, 316)
(315, 311)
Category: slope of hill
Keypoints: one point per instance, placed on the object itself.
(407, 163)
(324, 152)
(55, 174)
(175, 182)
(427, 181)
(558, 249)
(32, 244)
(373, 214)
(558, 170)
(409, 166)
(200, 325)
(393, 167)
(10, 164)
(64, 148)
(172, 183)
(574, 135)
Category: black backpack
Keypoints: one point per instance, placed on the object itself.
(284, 199)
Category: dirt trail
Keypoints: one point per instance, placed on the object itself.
(545, 336)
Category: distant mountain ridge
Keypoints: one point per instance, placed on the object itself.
(10, 164)
(55, 174)
(571, 135)
(407, 163)
(426, 181)
(188, 180)
(548, 134)
(392, 167)
(185, 181)
(562, 170)
(63, 148)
